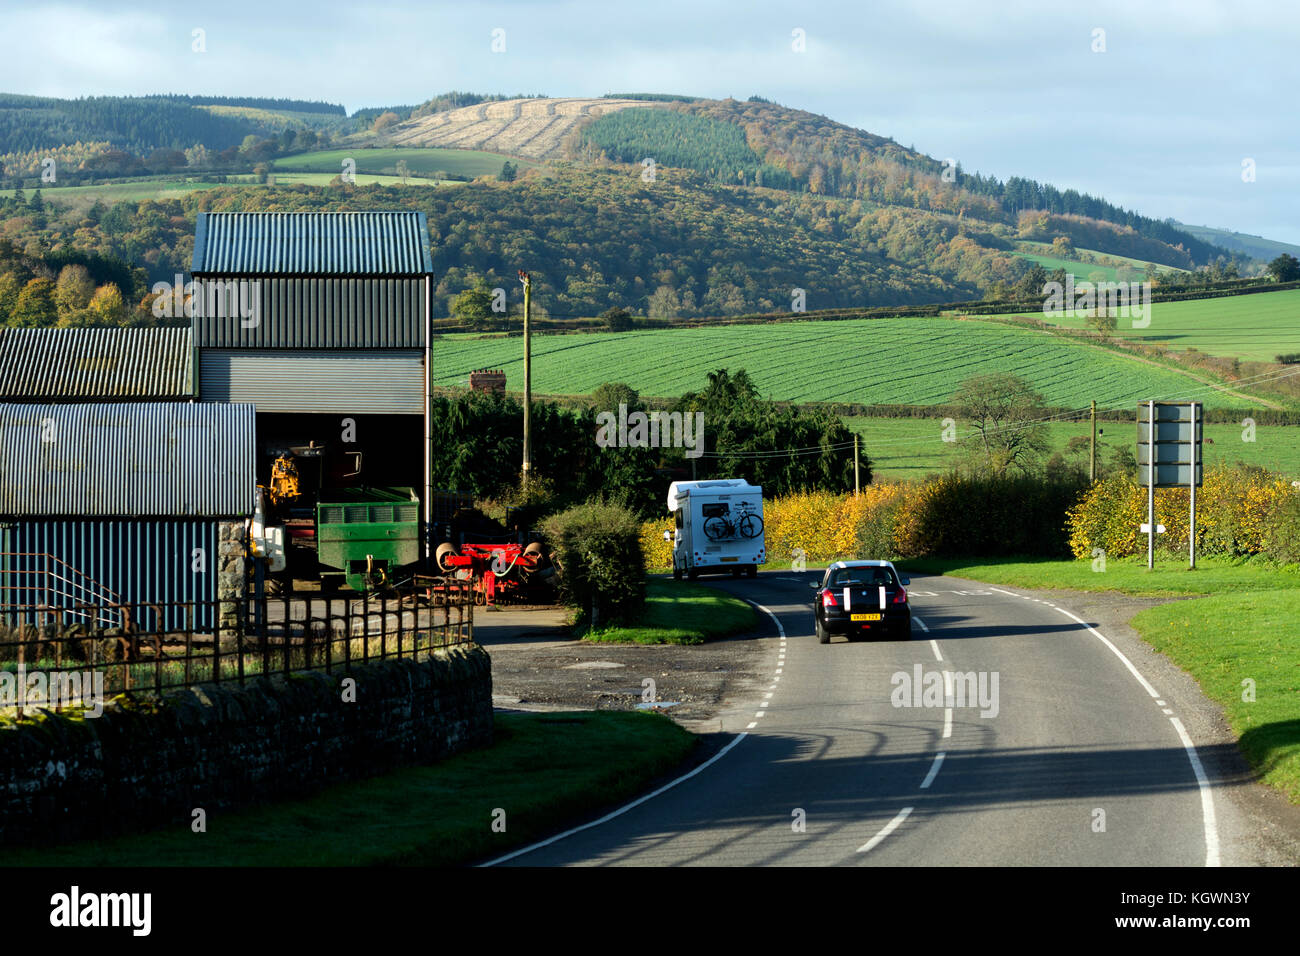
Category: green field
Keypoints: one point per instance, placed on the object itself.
(915, 361)
(362, 179)
(421, 161)
(83, 197)
(1258, 327)
(902, 448)
(1081, 270)
(1041, 253)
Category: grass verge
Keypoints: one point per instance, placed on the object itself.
(543, 770)
(677, 612)
(1241, 649)
(1169, 578)
(1236, 638)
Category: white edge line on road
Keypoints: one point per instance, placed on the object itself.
(921, 622)
(934, 769)
(1202, 782)
(1012, 593)
(1207, 800)
(1146, 685)
(640, 800)
(621, 810)
(888, 828)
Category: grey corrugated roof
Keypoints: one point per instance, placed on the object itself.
(311, 243)
(95, 364)
(129, 459)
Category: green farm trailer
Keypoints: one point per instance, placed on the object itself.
(365, 534)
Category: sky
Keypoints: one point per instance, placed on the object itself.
(1182, 109)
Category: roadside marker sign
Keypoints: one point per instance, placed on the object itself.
(1169, 456)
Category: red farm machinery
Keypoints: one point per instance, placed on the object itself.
(494, 573)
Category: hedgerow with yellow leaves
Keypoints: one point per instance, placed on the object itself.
(1240, 511)
(1236, 509)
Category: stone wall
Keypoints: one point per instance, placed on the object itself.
(145, 763)
(231, 571)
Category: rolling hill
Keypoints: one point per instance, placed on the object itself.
(1257, 247)
(750, 206)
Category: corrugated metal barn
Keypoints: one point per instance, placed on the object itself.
(121, 503)
(321, 321)
(313, 312)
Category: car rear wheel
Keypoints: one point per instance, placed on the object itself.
(823, 636)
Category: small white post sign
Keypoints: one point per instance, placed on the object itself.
(1169, 456)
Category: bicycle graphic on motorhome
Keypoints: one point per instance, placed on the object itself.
(718, 525)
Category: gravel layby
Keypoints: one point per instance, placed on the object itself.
(536, 666)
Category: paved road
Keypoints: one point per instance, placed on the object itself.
(1076, 735)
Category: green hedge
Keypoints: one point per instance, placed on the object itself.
(596, 548)
(957, 516)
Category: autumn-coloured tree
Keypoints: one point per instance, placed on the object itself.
(108, 305)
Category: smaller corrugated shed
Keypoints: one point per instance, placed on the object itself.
(86, 365)
(312, 243)
(138, 459)
(139, 560)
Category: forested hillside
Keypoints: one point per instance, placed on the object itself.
(749, 207)
(599, 238)
(137, 124)
(805, 151)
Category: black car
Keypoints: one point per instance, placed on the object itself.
(861, 598)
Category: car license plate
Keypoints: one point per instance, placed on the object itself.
(733, 558)
(864, 617)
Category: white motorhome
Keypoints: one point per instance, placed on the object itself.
(717, 527)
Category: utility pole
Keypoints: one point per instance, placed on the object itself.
(528, 378)
(857, 490)
(428, 419)
(1092, 466)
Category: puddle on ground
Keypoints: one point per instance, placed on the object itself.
(591, 665)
